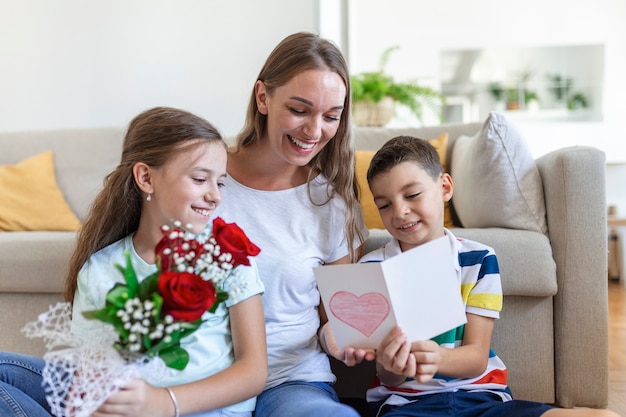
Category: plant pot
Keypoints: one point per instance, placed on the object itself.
(366, 113)
(512, 105)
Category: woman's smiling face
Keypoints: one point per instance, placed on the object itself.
(302, 115)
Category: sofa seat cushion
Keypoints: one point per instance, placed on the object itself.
(525, 258)
(35, 262)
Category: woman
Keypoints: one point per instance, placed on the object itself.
(291, 181)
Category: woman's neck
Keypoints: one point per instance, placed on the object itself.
(254, 167)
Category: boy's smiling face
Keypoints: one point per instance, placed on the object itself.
(411, 203)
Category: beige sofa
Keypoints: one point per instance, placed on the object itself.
(553, 329)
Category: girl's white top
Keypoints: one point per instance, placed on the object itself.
(210, 347)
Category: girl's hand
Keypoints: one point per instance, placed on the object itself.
(350, 356)
(137, 399)
(427, 356)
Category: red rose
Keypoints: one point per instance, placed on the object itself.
(174, 244)
(233, 240)
(185, 296)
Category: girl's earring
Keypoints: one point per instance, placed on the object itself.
(149, 198)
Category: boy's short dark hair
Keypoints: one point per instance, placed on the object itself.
(405, 149)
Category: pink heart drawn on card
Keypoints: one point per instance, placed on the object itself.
(363, 313)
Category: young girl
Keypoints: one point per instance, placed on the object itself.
(173, 167)
(293, 170)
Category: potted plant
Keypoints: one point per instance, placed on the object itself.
(374, 95)
(512, 98)
(577, 100)
(531, 100)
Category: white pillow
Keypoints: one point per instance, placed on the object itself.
(497, 183)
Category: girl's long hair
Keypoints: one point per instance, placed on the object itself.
(152, 137)
(297, 53)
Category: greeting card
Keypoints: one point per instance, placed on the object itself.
(417, 289)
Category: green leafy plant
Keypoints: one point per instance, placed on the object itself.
(374, 86)
(577, 101)
(496, 90)
(530, 95)
(559, 86)
(512, 95)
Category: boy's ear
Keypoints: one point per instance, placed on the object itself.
(143, 177)
(447, 187)
(260, 93)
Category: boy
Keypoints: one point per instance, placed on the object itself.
(456, 373)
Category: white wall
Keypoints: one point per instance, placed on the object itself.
(87, 63)
(80, 63)
(422, 28)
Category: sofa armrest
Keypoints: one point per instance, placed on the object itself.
(574, 188)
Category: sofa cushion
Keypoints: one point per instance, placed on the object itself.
(530, 275)
(35, 262)
(497, 183)
(30, 198)
(82, 158)
(370, 212)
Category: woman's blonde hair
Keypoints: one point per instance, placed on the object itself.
(297, 53)
(153, 137)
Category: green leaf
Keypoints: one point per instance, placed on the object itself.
(148, 286)
(106, 314)
(175, 357)
(219, 297)
(118, 295)
(129, 274)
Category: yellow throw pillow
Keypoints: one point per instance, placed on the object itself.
(30, 198)
(370, 212)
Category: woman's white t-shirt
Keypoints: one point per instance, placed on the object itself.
(294, 236)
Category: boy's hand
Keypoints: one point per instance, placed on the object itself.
(394, 354)
(427, 356)
(349, 356)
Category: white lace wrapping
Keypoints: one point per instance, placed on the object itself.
(80, 374)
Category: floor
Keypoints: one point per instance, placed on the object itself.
(617, 347)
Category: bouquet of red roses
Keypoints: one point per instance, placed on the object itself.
(152, 316)
(149, 318)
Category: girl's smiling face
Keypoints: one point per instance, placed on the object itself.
(411, 203)
(302, 115)
(187, 188)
